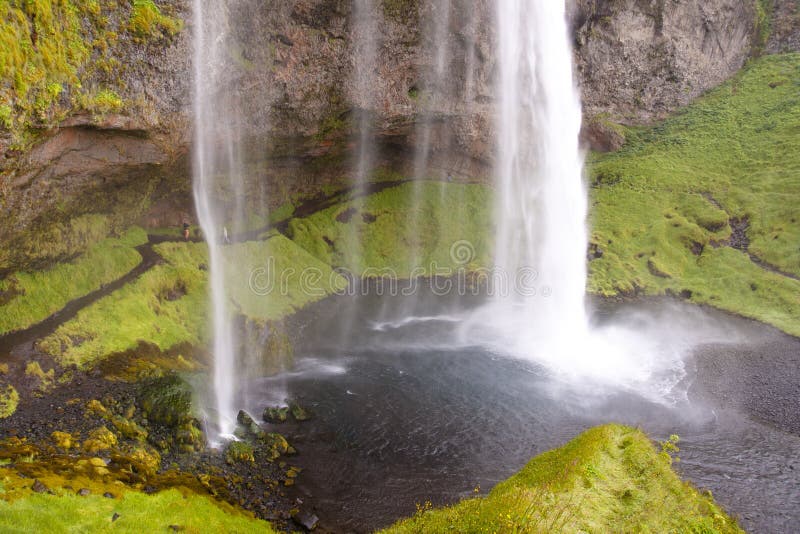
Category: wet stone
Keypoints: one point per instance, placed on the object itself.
(276, 414)
(306, 519)
(38, 487)
(83, 492)
(109, 495)
(298, 412)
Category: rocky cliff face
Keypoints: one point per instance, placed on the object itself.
(637, 60)
(640, 59)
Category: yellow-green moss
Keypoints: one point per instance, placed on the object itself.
(148, 21)
(137, 512)
(165, 306)
(50, 50)
(661, 205)
(9, 399)
(37, 295)
(438, 226)
(609, 479)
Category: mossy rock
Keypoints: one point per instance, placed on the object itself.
(143, 460)
(239, 451)
(276, 414)
(100, 439)
(276, 445)
(299, 412)
(247, 426)
(9, 399)
(63, 440)
(189, 437)
(167, 401)
(128, 428)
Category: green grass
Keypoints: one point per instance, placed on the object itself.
(137, 513)
(609, 479)
(269, 280)
(655, 200)
(165, 306)
(388, 232)
(168, 304)
(37, 295)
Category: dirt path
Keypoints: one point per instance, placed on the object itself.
(21, 342)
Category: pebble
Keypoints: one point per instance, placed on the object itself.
(83, 492)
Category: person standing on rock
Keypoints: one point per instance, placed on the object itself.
(186, 231)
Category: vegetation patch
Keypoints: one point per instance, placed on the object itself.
(666, 203)
(49, 50)
(133, 512)
(148, 21)
(134, 313)
(268, 280)
(36, 295)
(392, 232)
(166, 306)
(9, 399)
(608, 478)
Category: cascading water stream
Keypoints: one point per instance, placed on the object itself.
(542, 200)
(217, 174)
(538, 311)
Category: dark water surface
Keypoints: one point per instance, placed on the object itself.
(406, 412)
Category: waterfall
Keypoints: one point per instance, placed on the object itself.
(365, 56)
(542, 199)
(538, 311)
(218, 188)
(539, 281)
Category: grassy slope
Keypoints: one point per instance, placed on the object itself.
(404, 233)
(735, 153)
(167, 305)
(137, 513)
(39, 294)
(145, 309)
(269, 280)
(609, 477)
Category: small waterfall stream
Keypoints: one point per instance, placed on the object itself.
(218, 187)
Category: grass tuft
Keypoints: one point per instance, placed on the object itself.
(609, 478)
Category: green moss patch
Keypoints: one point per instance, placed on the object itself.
(33, 296)
(165, 306)
(269, 280)
(148, 21)
(133, 512)
(664, 207)
(436, 225)
(49, 50)
(9, 399)
(610, 478)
